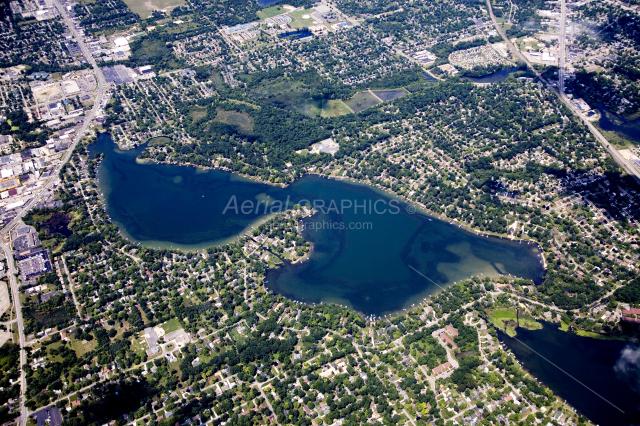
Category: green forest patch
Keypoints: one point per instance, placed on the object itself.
(240, 120)
(152, 50)
(144, 8)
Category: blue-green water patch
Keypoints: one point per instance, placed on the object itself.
(630, 129)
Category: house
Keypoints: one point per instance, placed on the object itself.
(448, 340)
(443, 367)
(451, 330)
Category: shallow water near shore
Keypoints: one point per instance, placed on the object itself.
(630, 129)
(364, 256)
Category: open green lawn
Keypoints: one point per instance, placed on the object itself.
(298, 20)
(137, 345)
(81, 347)
(271, 11)
(240, 120)
(565, 327)
(171, 325)
(276, 87)
(334, 108)
(236, 336)
(159, 141)
(505, 320)
(197, 112)
(145, 7)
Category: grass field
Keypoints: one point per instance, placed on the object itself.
(144, 8)
(137, 346)
(197, 113)
(171, 325)
(302, 103)
(505, 320)
(280, 86)
(335, 108)
(153, 51)
(82, 347)
(181, 28)
(565, 327)
(271, 11)
(159, 141)
(236, 336)
(298, 101)
(298, 20)
(240, 120)
(361, 101)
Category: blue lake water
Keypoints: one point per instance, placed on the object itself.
(600, 378)
(362, 255)
(296, 34)
(495, 77)
(614, 123)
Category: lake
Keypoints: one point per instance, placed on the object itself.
(494, 77)
(366, 250)
(614, 123)
(609, 370)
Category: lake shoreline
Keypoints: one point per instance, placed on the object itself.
(180, 208)
(377, 187)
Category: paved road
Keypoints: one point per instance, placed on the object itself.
(73, 293)
(563, 45)
(24, 413)
(15, 295)
(626, 166)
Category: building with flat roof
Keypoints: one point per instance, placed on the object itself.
(239, 28)
(9, 183)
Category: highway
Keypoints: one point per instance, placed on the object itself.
(563, 45)
(5, 246)
(15, 296)
(618, 158)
